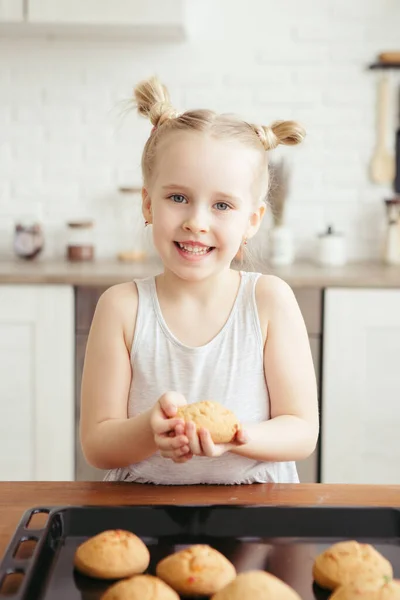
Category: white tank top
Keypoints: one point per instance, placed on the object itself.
(229, 369)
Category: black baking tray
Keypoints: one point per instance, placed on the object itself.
(283, 540)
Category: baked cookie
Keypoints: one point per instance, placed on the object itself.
(258, 585)
(347, 561)
(368, 588)
(196, 571)
(112, 554)
(220, 421)
(140, 587)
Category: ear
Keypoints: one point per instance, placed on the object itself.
(146, 205)
(255, 220)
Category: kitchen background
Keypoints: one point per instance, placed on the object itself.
(65, 148)
(68, 146)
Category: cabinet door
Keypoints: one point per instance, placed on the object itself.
(106, 12)
(36, 382)
(11, 11)
(361, 387)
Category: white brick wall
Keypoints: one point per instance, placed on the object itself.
(64, 144)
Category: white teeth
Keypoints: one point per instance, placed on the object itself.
(194, 249)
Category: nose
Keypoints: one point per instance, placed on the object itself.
(197, 221)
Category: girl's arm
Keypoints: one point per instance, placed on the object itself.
(109, 439)
(292, 431)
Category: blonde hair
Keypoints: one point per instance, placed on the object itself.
(152, 101)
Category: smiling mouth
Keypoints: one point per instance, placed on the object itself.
(195, 250)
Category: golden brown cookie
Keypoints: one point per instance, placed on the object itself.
(140, 587)
(112, 554)
(219, 420)
(347, 561)
(196, 571)
(368, 588)
(258, 585)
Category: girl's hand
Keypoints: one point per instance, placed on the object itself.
(201, 443)
(169, 432)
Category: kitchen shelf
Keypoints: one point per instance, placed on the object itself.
(381, 65)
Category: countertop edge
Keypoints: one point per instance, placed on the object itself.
(366, 274)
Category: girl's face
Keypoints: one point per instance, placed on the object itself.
(202, 203)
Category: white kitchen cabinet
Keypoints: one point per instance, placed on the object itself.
(361, 386)
(37, 382)
(140, 19)
(11, 11)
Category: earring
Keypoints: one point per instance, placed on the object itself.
(146, 223)
(245, 242)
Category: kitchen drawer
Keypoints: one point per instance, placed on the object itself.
(310, 302)
(86, 298)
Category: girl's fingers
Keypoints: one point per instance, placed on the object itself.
(194, 442)
(207, 444)
(165, 425)
(180, 428)
(183, 459)
(241, 437)
(169, 403)
(165, 442)
(177, 455)
(182, 451)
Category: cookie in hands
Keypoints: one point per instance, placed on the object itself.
(221, 422)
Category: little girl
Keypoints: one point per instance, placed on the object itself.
(200, 330)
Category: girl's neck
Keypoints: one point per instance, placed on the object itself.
(202, 291)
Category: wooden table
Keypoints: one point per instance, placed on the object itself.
(16, 497)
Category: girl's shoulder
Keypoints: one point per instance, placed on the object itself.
(273, 287)
(119, 297)
(274, 295)
(118, 306)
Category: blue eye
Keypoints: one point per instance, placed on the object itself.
(222, 206)
(178, 198)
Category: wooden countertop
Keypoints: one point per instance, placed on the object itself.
(110, 272)
(17, 497)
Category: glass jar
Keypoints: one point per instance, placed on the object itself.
(80, 245)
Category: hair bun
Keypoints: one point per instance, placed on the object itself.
(161, 112)
(152, 101)
(288, 133)
(267, 137)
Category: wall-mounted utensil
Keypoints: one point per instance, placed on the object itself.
(391, 57)
(382, 164)
(397, 147)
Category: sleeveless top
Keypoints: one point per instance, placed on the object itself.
(228, 369)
